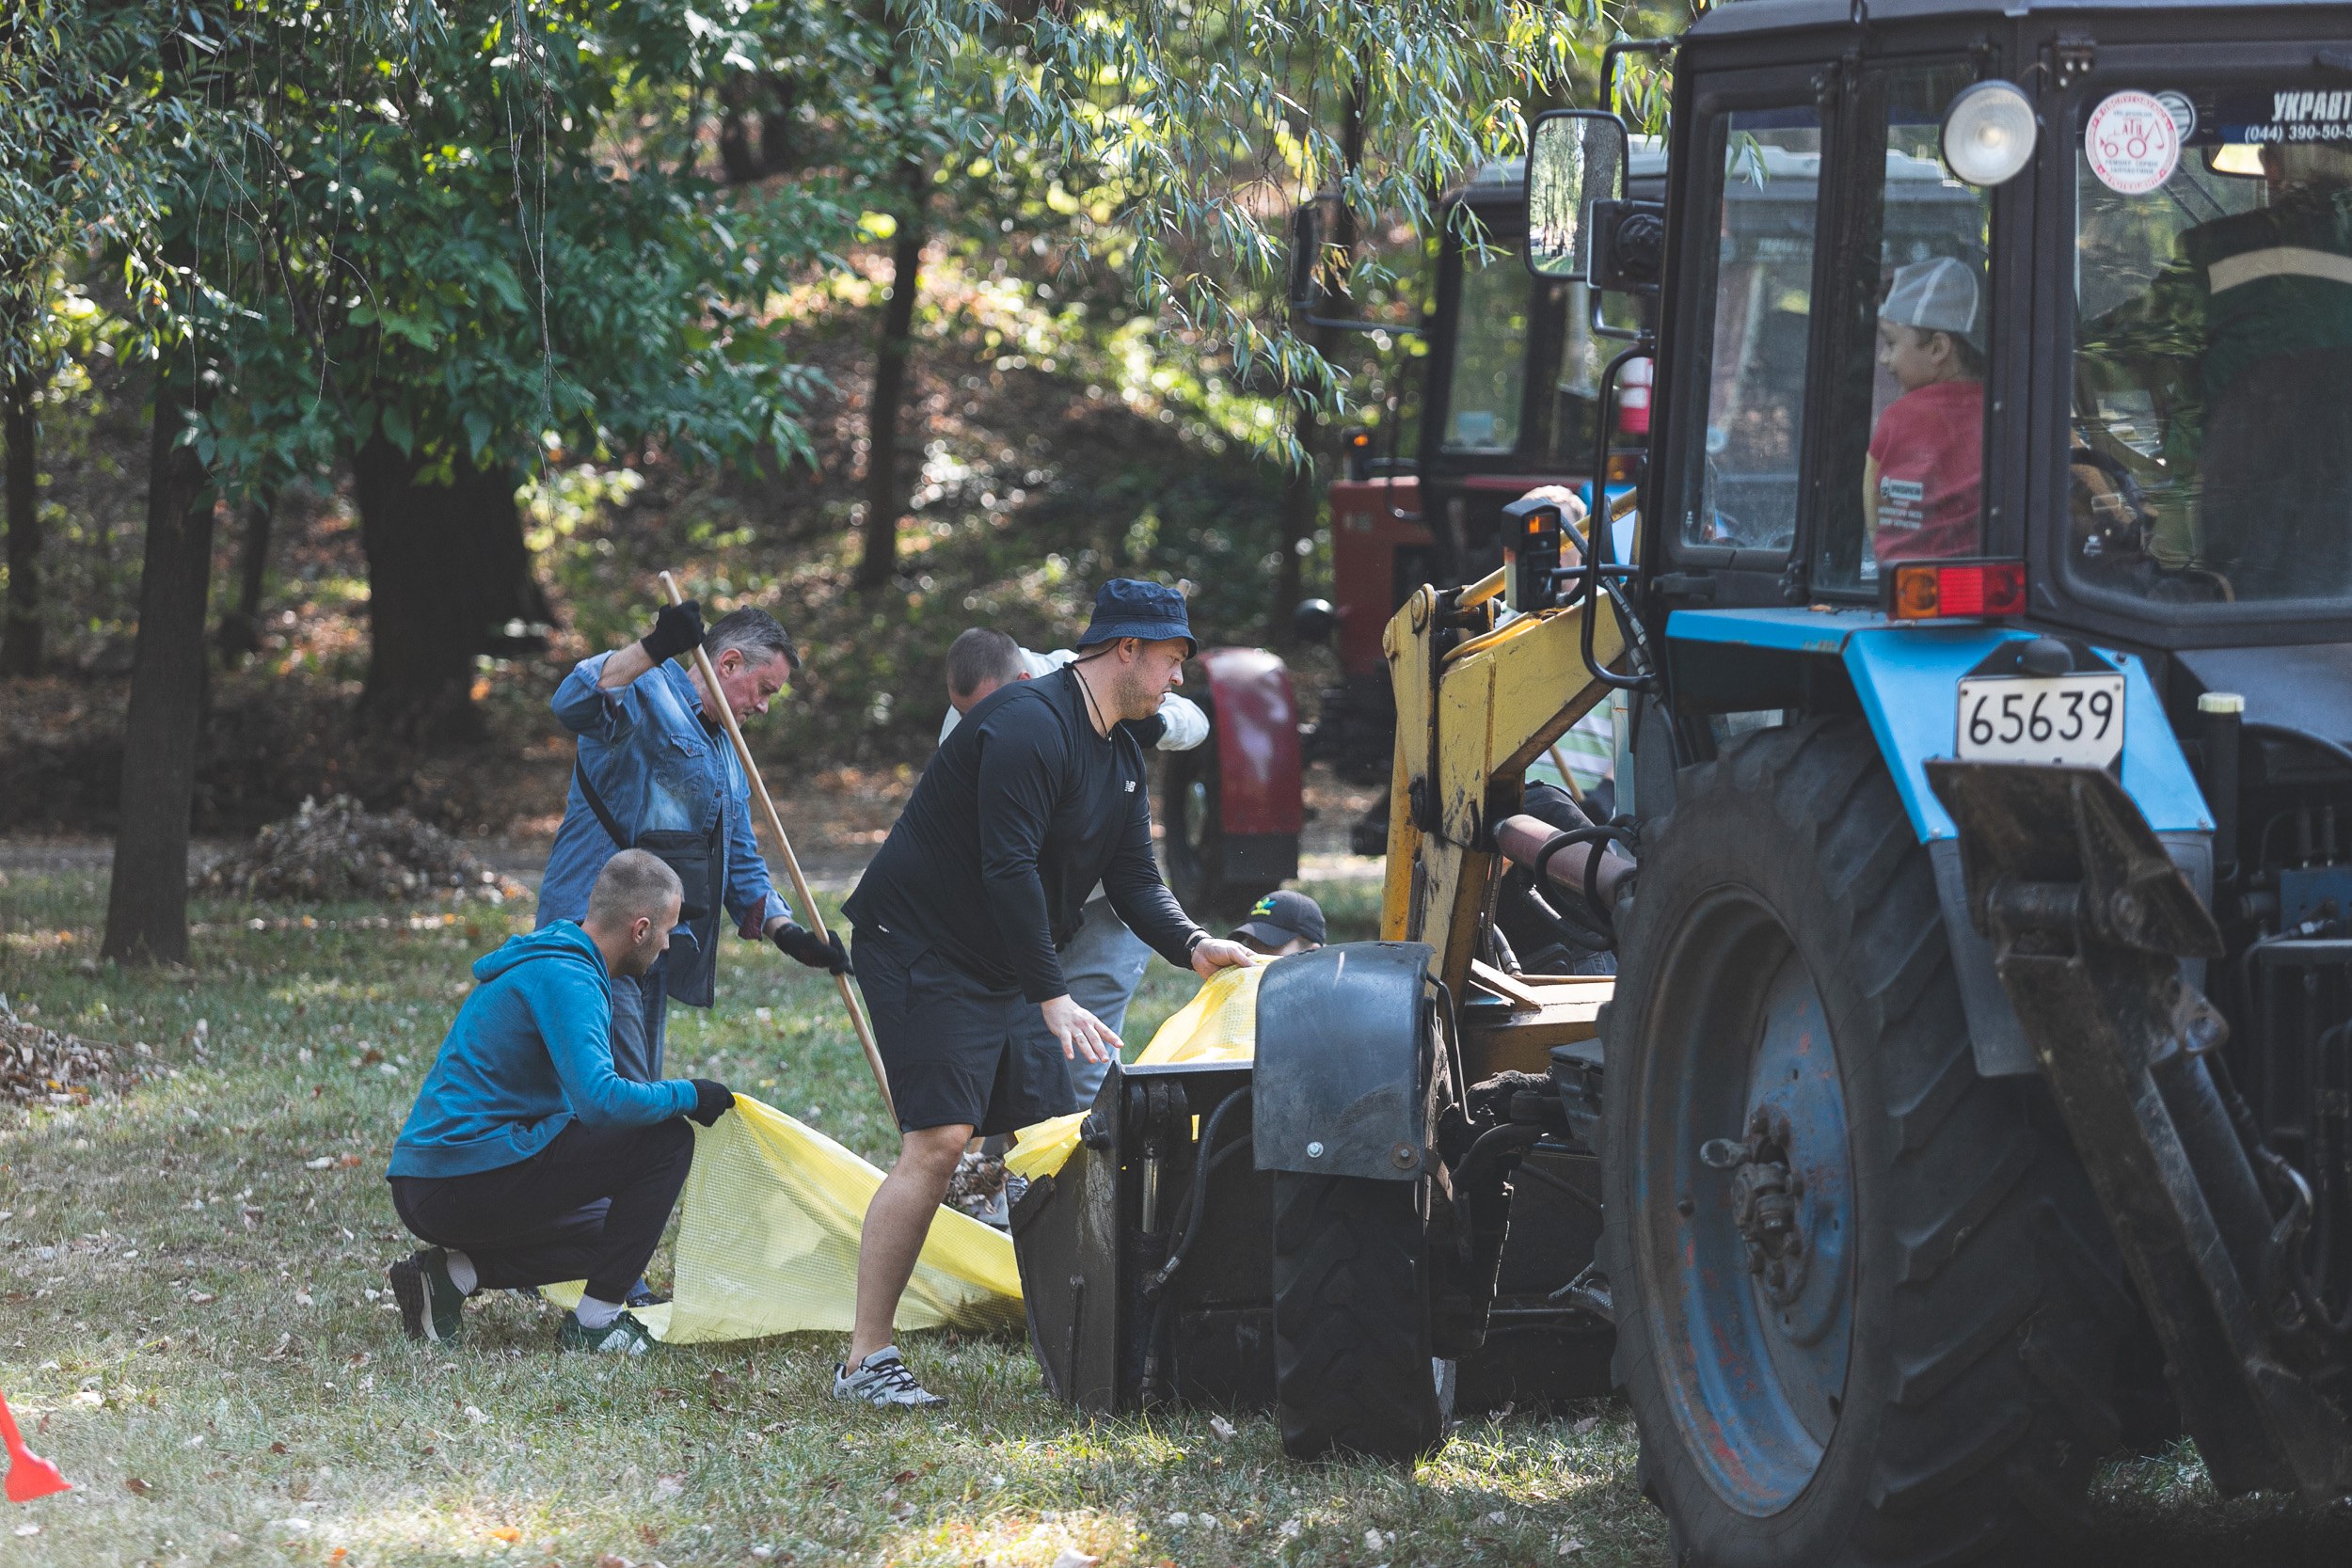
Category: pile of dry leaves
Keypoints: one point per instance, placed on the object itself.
(339, 851)
(42, 1067)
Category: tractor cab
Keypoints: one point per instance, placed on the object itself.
(2108, 340)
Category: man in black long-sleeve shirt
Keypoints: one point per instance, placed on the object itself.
(1038, 796)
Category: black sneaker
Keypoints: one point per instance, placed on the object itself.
(882, 1379)
(623, 1336)
(643, 1295)
(431, 1305)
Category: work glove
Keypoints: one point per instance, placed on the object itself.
(677, 628)
(712, 1100)
(798, 942)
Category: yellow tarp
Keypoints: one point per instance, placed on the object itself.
(1219, 1024)
(769, 1222)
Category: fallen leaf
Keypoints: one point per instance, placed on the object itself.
(339, 1554)
(903, 1478)
(324, 1162)
(478, 1417)
(136, 1488)
(507, 1533)
(280, 1447)
(1072, 1557)
(201, 1298)
(348, 1162)
(28, 1530)
(668, 1486)
(302, 1298)
(1223, 1428)
(1587, 1424)
(610, 1561)
(1572, 1544)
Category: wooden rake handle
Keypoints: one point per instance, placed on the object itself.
(791, 862)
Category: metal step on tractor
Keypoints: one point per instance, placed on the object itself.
(1972, 1099)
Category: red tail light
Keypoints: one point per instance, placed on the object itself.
(1948, 590)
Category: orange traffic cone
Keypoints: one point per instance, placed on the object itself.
(29, 1475)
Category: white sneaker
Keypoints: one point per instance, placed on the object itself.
(882, 1379)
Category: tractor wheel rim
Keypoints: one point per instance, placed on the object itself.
(1753, 1320)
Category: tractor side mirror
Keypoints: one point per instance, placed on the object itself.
(1314, 619)
(1306, 256)
(1575, 157)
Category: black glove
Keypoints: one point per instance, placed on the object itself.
(677, 628)
(798, 942)
(712, 1100)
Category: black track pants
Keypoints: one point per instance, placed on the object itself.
(532, 1223)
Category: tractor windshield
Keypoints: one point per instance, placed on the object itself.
(2211, 443)
(1489, 382)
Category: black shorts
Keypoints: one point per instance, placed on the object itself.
(959, 1052)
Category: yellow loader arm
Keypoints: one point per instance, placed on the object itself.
(1473, 710)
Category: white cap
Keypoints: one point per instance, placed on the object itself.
(1938, 294)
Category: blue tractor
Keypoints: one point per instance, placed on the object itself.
(1973, 1096)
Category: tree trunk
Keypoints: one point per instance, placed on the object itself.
(891, 356)
(147, 903)
(447, 569)
(20, 650)
(240, 634)
(1302, 491)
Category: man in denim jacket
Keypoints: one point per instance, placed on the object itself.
(657, 771)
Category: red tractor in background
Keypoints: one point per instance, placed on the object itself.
(1506, 403)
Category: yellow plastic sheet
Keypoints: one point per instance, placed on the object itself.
(768, 1235)
(769, 1222)
(1219, 1025)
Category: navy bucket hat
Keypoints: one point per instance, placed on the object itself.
(1129, 606)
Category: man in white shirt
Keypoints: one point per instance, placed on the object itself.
(1105, 961)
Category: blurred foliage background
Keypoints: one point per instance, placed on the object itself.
(396, 344)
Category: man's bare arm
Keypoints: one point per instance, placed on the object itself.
(624, 666)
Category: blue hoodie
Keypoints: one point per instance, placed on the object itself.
(530, 1050)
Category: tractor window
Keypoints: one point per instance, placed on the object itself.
(1904, 467)
(1767, 217)
(1490, 380)
(2211, 434)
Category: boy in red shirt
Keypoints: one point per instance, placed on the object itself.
(1921, 484)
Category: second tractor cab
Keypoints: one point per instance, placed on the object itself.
(1504, 400)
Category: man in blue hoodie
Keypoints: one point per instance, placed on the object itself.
(527, 1159)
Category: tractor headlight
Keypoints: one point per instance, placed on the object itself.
(1989, 132)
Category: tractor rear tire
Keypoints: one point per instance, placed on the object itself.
(1352, 1366)
(1935, 1383)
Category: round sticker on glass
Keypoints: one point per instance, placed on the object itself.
(2133, 142)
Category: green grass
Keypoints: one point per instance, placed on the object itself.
(191, 1324)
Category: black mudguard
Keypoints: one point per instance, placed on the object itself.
(1346, 1038)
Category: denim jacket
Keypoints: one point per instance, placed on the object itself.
(656, 766)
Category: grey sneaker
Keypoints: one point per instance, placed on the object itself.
(431, 1305)
(623, 1336)
(882, 1379)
